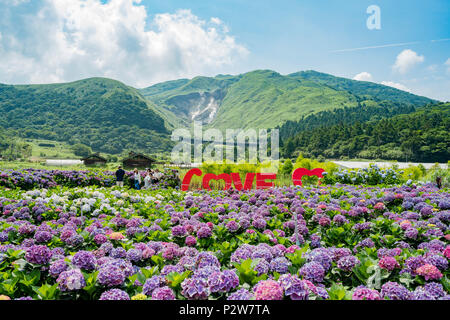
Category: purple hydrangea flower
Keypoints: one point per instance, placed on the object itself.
(38, 254)
(110, 275)
(169, 268)
(57, 267)
(421, 294)
(395, 291)
(312, 271)
(195, 288)
(280, 265)
(24, 298)
(179, 231)
(241, 294)
(262, 267)
(259, 223)
(232, 226)
(294, 288)
(435, 289)
(347, 263)
(152, 283)
(204, 232)
(190, 241)
(439, 261)
(118, 253)
(164, 293)
(134, 255)
(364, 293)
(100, 239)
(114, 294)
(206, 258)
(71, 280)
(42, 236)
(84, 260)
(322, 256)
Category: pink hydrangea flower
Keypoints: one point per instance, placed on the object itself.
(292, 249)
(388, 263)
(447, 252)
(268, 290)
(429, 272)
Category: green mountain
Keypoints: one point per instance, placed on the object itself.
(363, 89)
(422, 135)
(102, 113)
(111, 117)
(266, 99)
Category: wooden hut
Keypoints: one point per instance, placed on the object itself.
(94, 159)
(138, 160)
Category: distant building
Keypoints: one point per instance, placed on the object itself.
(94, 159)
(62, 162)
(138, 160)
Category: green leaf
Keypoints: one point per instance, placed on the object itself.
(245, 270)
(297, 257)
(46, 291)
(446, 283)
(174, 279)
(338, 292)
(149, 272)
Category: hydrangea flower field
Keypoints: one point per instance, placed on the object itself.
(338, 242)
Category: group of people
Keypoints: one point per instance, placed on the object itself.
(151, 177)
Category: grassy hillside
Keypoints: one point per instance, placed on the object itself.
(363, 89)
(265, 99)
(113, 118)
(102, 113)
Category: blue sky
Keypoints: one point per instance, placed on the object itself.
(159, 42)
(289, 36)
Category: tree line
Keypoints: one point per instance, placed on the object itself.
(419, 136)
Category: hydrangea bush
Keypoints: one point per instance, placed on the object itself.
(325, 242)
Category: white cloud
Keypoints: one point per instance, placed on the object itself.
(447, 63)
(432, 68)
(396, 85)
(363, 76)
(406, 60)
(14, 2)
(73, 39)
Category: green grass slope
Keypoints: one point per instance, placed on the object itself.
(362, 89)
(266, 99)
(102, 113)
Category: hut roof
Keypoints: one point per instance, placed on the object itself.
(134, 155)
(94, 156)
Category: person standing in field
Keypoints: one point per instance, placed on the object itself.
(439, 182)
(148, 179)
(158, 175)
(119, 176)
(137, 179)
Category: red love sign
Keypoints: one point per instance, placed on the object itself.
(211, 176)
(188, 176)
(249, 177)
(235, 178)
(232, 178)
(300, 172)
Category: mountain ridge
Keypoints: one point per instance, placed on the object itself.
(112, 117)
(246, 96)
